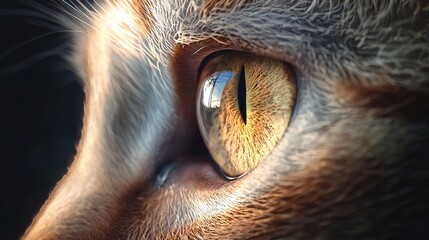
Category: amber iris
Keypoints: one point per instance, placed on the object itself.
(244, 104)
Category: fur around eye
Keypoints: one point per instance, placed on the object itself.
(243, 108)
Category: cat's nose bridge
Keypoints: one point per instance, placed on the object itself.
(128, 114)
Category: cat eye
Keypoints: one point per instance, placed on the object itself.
(244, 104)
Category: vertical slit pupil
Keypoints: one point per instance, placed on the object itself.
(241, 95)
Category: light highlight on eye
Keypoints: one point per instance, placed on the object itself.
(243, 109)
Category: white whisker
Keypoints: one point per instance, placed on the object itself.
(30, 61)
(32, 40)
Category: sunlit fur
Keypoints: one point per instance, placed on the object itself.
(352, 164)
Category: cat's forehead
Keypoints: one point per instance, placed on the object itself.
(336, 39)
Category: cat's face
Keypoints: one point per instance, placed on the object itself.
(335, 109)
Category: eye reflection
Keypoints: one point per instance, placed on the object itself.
(213, 88)
(211, 96)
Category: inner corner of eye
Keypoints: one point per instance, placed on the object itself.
(244, 104)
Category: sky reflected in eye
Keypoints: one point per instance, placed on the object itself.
(213, 88)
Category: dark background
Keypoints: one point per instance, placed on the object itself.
(40, 114)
